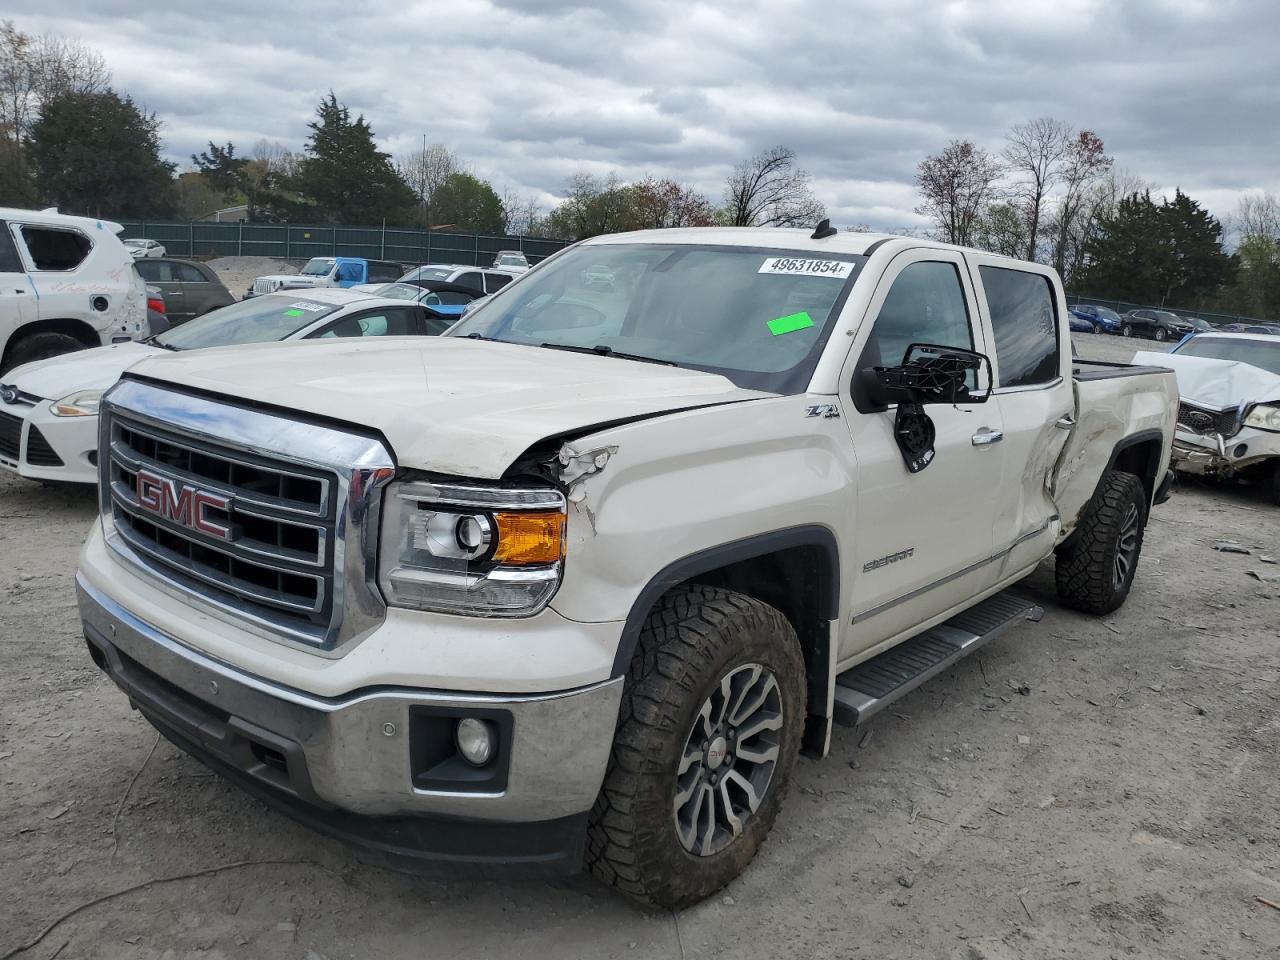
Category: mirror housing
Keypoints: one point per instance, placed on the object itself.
(929, 373)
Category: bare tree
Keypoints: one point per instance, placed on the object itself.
(1084, 163)
(1258, 215)
(955, 186)
(1034, 155)
(425, 171)
(769, 190)
(62, 65)
(520, 213)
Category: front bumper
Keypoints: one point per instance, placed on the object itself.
(49, 447)
(360, 767)
(1217, 456)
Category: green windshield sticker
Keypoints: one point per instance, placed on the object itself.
(293, 313)
(790, 324)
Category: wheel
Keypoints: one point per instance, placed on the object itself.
(1095, 567)
(1161, 335)
(40, 346)
(708, 734)
(1275, 484)
(1126, 331)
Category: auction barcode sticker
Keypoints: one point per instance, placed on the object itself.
(308, 305)
(839, 269)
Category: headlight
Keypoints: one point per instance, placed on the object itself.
(1265, 416)
(479, 551)
(82, 404)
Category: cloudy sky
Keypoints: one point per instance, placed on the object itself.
(1183, 92)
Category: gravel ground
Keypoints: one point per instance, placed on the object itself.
(238, 273)
(1123, 806)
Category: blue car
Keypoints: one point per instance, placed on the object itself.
(1096, 319)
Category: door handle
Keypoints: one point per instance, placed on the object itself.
(1065, 422)
(985, 437)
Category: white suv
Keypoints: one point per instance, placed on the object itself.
(486, 280)
(66, 283)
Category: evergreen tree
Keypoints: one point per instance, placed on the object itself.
(1170, 253)
(344, 177)
(98, 154)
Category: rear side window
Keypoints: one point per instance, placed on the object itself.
(1025, 325)
(52, 249)
(9, 261)
(495, 281)
(155, 271)
(187, 273)
(382, 272)
(472, 280)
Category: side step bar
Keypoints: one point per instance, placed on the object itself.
(871, 686)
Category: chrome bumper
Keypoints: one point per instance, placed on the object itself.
(374, 752)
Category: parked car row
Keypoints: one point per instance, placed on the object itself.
(1159, 325)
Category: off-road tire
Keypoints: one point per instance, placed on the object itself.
(40, 346)
(1086, 563)
(1126, 330)
(694, 636)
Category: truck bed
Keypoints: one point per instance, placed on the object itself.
(1107, 369)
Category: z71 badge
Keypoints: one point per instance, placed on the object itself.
(828, 411)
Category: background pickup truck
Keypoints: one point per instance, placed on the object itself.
(577, 582)
(329, 272)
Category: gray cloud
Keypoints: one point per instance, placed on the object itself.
(1183, 92)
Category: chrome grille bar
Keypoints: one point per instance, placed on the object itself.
(282, 534)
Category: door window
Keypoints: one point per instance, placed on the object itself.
(187, 273)
(472, 280)
(1025, 325)
(495, 281)
(9, 260)
(379, 323)
(925, 305)
(155, 271)
(55, 249)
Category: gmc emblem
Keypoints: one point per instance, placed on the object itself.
(182, 503)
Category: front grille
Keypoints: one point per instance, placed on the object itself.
(1208, 422)
(276, 559)
(263, 286)
(39, 453)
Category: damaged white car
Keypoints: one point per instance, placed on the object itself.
(1229, 409)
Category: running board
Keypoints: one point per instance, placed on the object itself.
(871, 686)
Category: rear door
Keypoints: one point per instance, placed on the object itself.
(200, 294)
(922, 541)
(162, 275)
(1025, 320)
(17, 300)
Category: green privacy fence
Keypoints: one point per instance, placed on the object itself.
(1124, 306)
(290, 241)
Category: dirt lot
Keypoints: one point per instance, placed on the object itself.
(1124, 805)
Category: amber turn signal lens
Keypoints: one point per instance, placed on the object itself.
(529, 538)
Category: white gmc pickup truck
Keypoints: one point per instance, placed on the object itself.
(575, 583)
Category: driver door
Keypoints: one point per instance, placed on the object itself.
(921, 541)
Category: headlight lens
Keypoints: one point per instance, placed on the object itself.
(1265, 416)
(478, 551)
(82, 404)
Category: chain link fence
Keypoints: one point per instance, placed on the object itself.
(1124, 306)
(289, 241)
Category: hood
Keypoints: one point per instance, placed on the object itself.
(463, 407)
(1216, 384)
(291, 278)
(94, 369)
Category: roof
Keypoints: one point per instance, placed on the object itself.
(1232, 335)
(53, 218)
(787, 238)
(338, 296)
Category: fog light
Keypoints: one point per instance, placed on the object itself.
(1240, 450)
(475, 740)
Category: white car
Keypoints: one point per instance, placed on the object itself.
(481, 279)
(49, 409)
(511, 260)
(1229, 411)
(66, 283)
(141, 249)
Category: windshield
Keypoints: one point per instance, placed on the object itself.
(758, 316)
(511, 260)
(428, 273)
(317, 267)
(259, 320)
(1166, 316)
(1104, 313)
(1259, 353)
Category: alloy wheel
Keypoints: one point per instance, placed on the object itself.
(1126, 547)
(728, 760)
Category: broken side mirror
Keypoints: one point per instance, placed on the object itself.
(929, 373)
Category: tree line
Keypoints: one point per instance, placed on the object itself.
(1054, 195)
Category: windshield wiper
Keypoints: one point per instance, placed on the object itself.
(481, 336)
(602, 350)
(163, 346)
